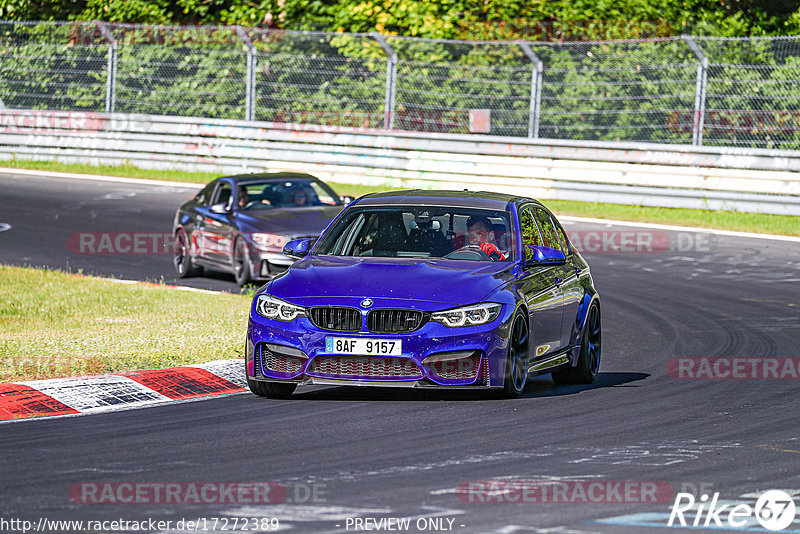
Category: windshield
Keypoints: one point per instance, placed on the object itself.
(421, 232)
(284, 194)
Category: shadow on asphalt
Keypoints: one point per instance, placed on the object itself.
(544, 386)
(541, 386)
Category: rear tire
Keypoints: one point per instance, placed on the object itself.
(516, 374)
(182, 258)
(271, 390)
(589, 359)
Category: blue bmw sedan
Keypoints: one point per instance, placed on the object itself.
(428, 289)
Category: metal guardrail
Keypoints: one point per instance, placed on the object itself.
(642, 174)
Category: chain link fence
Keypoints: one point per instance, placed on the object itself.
(684, 90)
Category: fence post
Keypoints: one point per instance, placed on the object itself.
(391, 81)
(700, 91)
(111, 74)
(250, 81)
(536, 90)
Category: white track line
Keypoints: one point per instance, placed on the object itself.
(165, 286)
(731, 233)
(97, 178)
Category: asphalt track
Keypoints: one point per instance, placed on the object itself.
(378, 453)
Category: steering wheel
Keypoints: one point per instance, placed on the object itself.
(468, 252)
(255, 202)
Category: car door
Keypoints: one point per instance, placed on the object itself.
(539, 287)
(567, 278)
(217, 229)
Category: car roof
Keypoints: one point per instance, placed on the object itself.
(430, 197)
(269, 176)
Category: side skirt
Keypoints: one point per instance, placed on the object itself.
(545, 365)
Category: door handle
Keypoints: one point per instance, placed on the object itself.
(558, 281)
(577, 271)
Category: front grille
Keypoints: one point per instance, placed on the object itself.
(391, 321)
(460, 369)
(364, 367)
(336, 318)
(274, 362)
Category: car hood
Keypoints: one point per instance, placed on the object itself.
(430, 283)
(291, 222)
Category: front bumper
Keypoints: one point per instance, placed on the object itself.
(432, 356)
(265, 265)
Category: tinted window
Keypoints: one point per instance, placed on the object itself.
(547, 228)
(204, 196)
(224, 195)
(530, 233)
(294, 193)
(566, 246)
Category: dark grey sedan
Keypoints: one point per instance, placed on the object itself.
(239, 224)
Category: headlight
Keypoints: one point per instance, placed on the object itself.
(468, 315)
(273, 308)
(269, 241)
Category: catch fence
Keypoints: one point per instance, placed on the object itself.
(679, 90)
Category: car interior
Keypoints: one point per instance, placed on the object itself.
(281, 195)
(392, 233)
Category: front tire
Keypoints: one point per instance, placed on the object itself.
(271, 390)
(589, 359)
(242, 270)
(182, 259)
(516, 375)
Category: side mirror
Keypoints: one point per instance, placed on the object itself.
(546, 256)
(220, 208)
(299, 248)
(346, 199)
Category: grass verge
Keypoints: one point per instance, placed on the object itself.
(55, 324)
(721, 220)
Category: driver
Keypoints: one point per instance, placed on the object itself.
(299, 197)
(243, 198)
(480, 233)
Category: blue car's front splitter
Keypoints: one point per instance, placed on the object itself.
(434, 356)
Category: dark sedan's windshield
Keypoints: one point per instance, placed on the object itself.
(284, 194)
(438, 232)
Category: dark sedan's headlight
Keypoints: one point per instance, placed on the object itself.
(473, 315)
(268, 241)
(278, 309)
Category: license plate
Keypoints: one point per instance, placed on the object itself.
(363, 347)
